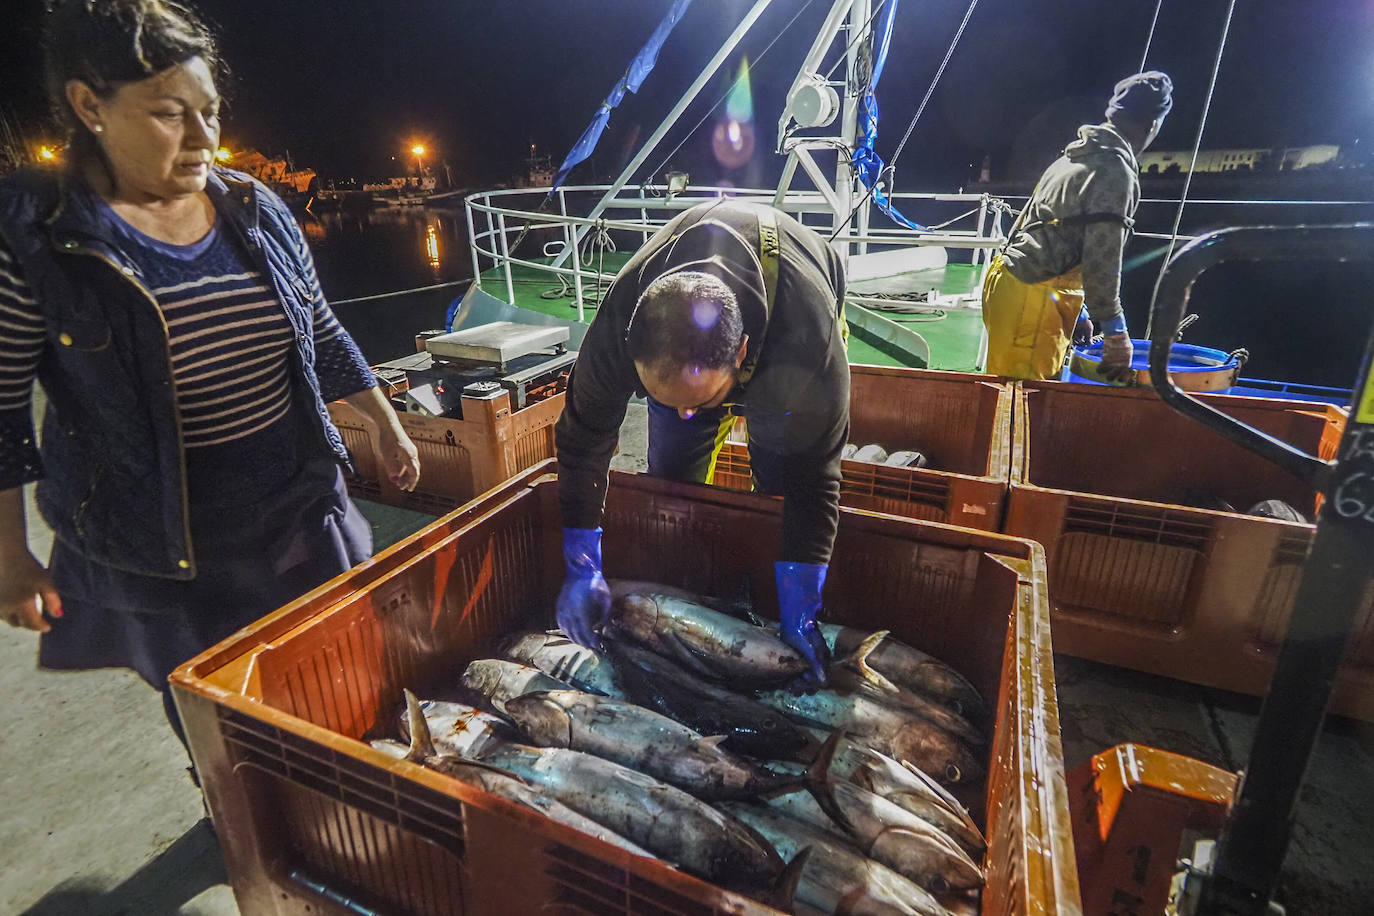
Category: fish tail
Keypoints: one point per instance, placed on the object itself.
(858, 660)
(784, 893)
(421, 741)
(817, 781)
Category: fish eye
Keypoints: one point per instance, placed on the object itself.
(953, 773)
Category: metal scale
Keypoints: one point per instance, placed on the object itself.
(1136, 803)
(481, 362)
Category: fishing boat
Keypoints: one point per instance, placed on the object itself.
(915, 262)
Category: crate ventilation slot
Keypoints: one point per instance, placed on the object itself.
(1138, 523)
(589, 885)
(262, 747)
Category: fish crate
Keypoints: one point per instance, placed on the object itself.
(312, 819)
(459, 457)
(960, 421)
(1139, 578)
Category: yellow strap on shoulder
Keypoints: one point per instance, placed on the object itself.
(770, 251)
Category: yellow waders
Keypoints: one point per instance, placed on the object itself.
(1030, 325)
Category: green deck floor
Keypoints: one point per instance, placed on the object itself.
(953, 339)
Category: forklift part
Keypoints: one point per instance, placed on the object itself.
(1131, 805)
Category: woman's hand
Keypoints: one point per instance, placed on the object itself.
(27, 593)
(400, 461)
(399, 457)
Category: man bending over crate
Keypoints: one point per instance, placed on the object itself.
(731, 309)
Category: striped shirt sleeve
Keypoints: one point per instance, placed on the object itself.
(21, 346)
(340, 366)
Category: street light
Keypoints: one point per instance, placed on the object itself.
(419, 152)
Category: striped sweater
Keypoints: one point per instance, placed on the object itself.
(230, 345)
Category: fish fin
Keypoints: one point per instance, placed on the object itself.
(695, 660)
(480, 765)
(858, 660)
(712, 742)
(784, 893)
(817, 781)
(942, 794)
(421, 741)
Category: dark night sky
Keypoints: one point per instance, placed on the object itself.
(344, 84)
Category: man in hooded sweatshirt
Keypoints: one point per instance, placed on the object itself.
(1060, 272)
(731, 309)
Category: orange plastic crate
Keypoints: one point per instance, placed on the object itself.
(459, 458)
(311, 818)
(962, 422)
(1141, 580)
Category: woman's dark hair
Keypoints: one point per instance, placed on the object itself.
(685, 318)
(105, 43)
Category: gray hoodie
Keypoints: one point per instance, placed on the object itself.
(1098, 175)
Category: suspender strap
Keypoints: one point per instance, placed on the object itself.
(770, 249)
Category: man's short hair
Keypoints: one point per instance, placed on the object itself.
(685, 318)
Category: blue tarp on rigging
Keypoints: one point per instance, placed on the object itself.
(634, 77)
(866, 160)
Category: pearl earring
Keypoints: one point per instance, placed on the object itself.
(99, 128)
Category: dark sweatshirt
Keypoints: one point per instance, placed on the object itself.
(797, 402)
(1098, 174)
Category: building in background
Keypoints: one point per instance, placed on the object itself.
(1293, 158)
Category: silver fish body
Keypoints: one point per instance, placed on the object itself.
(498, 680)
(898, 733)
(456, 728)
(903, 786)
(641, 739)
(559, 657)
(837, 879)
(890, 835)
(707, 641)
(513, 789)
(911, 668)
(666, 821)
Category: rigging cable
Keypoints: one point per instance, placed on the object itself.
(1149, 39)
(930, 91)
(725, 95)
(1197, 145)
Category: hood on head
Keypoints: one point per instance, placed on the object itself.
(1100, 140)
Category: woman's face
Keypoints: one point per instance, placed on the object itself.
(159, 134)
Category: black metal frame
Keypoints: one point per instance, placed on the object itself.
(1339, 564)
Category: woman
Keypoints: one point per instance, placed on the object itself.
(171, 311)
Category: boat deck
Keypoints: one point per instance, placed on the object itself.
(953, 335)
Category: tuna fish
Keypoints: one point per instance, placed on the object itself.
(654, 744)
(423, 750)
(845, 681)
(708, 642)
(749, 727)
(904, 786)
(890, 835)
(456, 728)
(895, 732)
(911, 668)
(499, 680)
(836, 878)
(559, 657)
(666, 821)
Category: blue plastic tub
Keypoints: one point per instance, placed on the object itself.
(1193, 368)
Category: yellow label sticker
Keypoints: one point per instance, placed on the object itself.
(1364, 410)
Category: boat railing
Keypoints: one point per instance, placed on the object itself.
(511, 214)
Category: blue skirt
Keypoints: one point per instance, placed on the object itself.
(250, 560)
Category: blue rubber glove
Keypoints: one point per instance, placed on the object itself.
(1083, 329)
(799, 603)
(584, 603)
